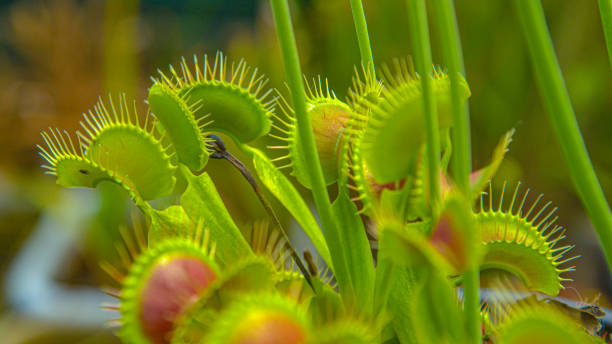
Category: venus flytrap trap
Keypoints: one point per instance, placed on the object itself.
(329, 117)
(396, 116)
(397, 242)
(181, 266)
(524, 242)
(532, 319)
(144, 171)
(234, 103)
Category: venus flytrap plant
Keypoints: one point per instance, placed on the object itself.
(196, 276)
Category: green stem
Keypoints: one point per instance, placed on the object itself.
(471, 303)
(218, 147)
(417, 16)
(446, 21)
(605, 9)
(289, 51)
(361, 26)
(561, 113)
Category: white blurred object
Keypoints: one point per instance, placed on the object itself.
(30, 285)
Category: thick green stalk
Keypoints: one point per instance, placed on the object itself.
(361, 26)
(605, 9)
(471, 303)
(289, 51)
(419, 32)
(446, 21)
(561, 113)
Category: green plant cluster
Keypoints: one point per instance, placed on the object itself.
(398, 241)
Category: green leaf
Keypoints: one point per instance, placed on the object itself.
(326, 305)
(394, 282)
(424, 308)
(201, 201)
(400, 305)
(356, 247)
(283, 190)
(439, 319)
(480, 178)
(454, 234)
(168, 222)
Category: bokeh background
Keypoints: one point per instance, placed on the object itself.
(58, 56)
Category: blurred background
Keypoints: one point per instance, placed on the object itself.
(58, 56)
